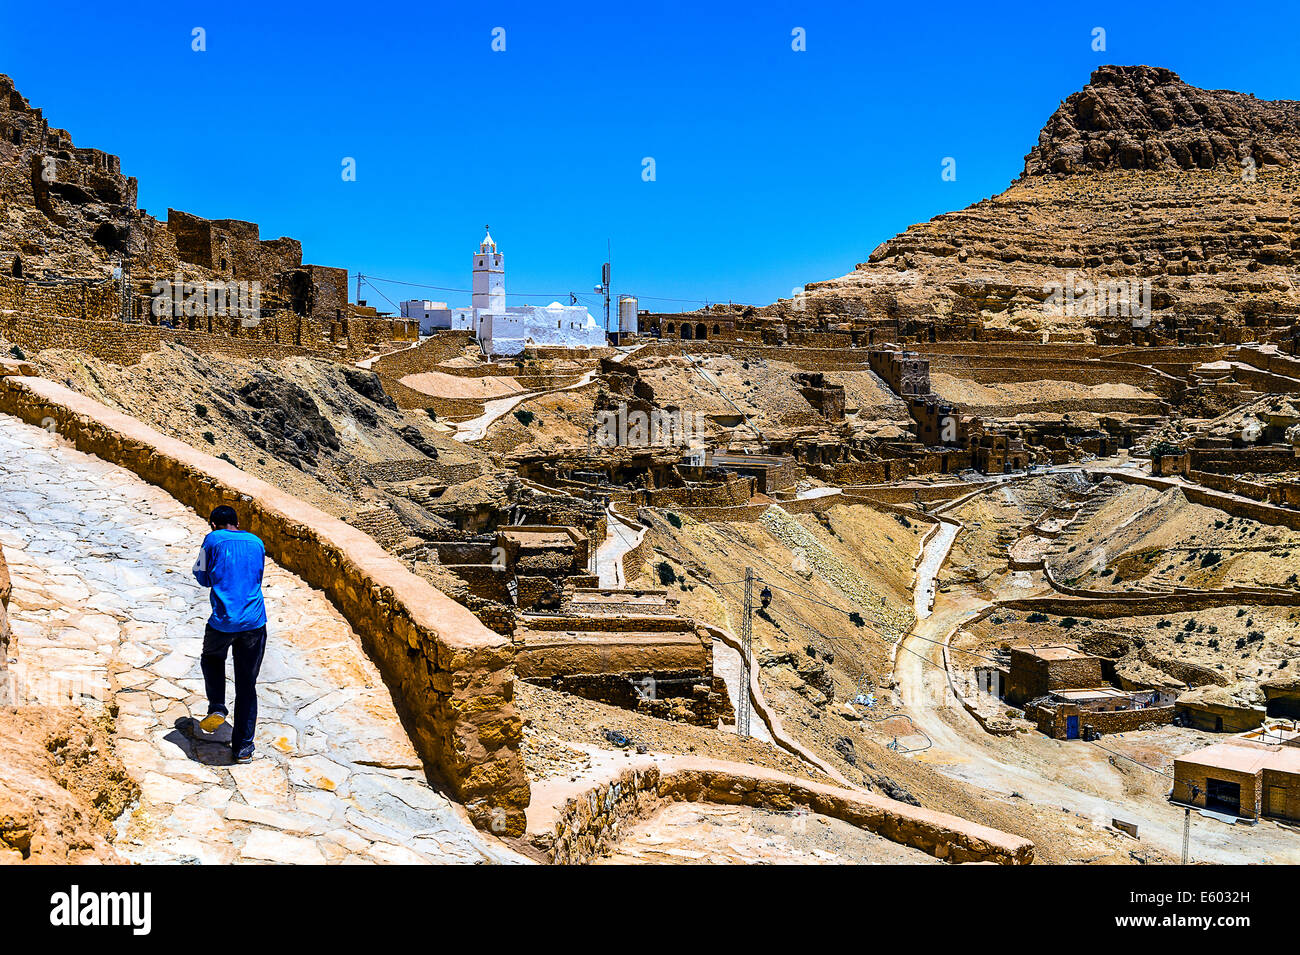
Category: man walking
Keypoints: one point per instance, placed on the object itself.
(230, 563)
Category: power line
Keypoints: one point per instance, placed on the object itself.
(445, 288)
(850, 614)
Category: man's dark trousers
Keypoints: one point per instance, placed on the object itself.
(248, 646)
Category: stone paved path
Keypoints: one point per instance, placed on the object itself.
(104, 607)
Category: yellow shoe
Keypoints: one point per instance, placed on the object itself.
(211, 722)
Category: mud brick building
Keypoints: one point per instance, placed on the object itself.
(905, 372)
(1252, 775)
(1037, 671)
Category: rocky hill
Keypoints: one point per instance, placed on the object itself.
(1137, 178)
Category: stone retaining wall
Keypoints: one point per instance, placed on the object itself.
(126, 344)
(451, 678)
(588, 825)
(1104, 608)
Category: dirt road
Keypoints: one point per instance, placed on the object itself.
(1074, 775)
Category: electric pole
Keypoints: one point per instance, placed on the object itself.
(1187, 821)
(359, 277)
(746, 644)
(603, 288)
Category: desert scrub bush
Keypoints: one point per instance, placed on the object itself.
(524, 417)
(673, 519)
(667, 576)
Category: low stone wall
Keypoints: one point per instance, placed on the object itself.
(451, 678)
(589, 824)
(123, 344)
(1051, 720)
(1101, 608)
(736, 490)
(743, 514)
(893, 494)
(1268, 459)
(426, 356)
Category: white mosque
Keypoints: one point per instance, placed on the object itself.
(502, 329)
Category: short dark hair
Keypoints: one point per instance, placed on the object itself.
(224, 516)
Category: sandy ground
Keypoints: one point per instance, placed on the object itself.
(442, 385)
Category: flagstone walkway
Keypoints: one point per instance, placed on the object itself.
(104, 609)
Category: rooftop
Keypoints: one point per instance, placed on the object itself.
(1244, 759)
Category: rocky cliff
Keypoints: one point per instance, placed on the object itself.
(1140, 185)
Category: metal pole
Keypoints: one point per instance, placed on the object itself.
(1187, 832)
(746, 643)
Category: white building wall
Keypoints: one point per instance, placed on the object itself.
(554, 325)
(503, 330)
(430, 315)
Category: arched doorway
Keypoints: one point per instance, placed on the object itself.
(700, 332)
(686, 331)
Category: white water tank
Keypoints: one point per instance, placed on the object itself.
(627, 305)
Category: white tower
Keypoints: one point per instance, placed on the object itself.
(489, 278)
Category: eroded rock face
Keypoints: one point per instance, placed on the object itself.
(1145, 117)
(1136, 179)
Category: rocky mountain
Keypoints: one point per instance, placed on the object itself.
(1144, 117)
(1141, 188)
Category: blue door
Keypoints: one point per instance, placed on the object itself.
(1072, 727)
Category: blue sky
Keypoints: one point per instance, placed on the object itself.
(773, 167)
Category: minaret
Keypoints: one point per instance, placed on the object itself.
(489, 278)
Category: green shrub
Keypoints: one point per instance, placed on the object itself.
(667, 576)
(524, 417)
(209, 437)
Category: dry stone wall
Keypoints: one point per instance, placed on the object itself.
(590, 824)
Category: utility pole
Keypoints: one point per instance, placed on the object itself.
(603, 287)
(1187, 821)
(746, 645)
(359, 278)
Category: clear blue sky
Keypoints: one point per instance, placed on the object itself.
(773, 167)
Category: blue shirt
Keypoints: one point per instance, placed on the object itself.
(230, 562)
